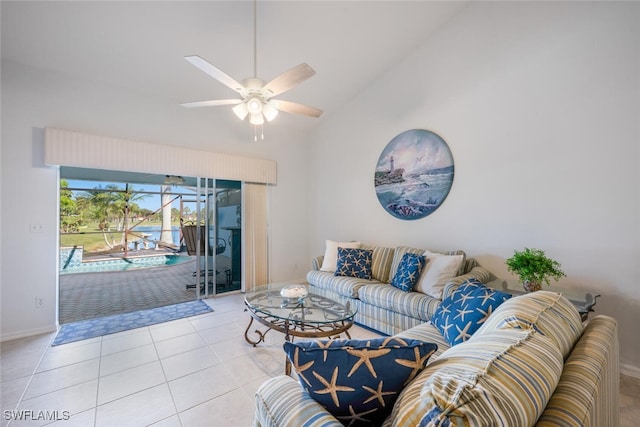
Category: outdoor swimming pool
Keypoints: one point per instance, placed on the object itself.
(71, 262)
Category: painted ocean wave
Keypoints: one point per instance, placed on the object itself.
(417, 197)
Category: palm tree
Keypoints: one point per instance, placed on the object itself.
(112, 202)
(69, 219)
(125, 204)
(101, 200)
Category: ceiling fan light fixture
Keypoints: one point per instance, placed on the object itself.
(241, 110)
(269, 111)
(256, 119)
(254, 105)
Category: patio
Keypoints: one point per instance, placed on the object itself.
(89, 295)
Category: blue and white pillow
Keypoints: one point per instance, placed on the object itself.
(354, 263)
(461, 314)
(358, 381)
(408, 271)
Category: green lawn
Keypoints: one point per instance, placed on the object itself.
(92, 239)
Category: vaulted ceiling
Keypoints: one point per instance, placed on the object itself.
(140, 46)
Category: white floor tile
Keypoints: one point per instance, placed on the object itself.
(210, 320)
(20, 357)
(189, 362)
(259, 363)
(65, 355)
(75, 399)
(165, 331)
(228, 349)
(173, 421)
(139, 409)
(128, 382)
(228, 410)
(197, 388)
(125, 341)
(221, 333)
(11, 391)
(178, 345)
(127, 359)
(67, 376)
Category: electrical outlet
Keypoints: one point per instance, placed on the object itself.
(39, 302)
(36, 228)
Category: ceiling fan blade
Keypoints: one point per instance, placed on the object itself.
(214, 72)
(288, 80)
(212, 103)
(295, 108)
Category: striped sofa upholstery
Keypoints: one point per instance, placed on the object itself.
(379, 305)
(498, 378)
(282, 402)
(587, 394)
(506, 374)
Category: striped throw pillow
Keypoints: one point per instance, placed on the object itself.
(381, 259)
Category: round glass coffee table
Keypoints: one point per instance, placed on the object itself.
(295, 314)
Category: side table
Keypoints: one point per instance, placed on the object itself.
(583, 301)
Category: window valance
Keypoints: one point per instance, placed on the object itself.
(69, 148)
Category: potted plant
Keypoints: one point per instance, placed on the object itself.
(533, 267)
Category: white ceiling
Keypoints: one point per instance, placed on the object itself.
(140, 46)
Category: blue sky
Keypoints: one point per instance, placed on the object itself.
(416, 151)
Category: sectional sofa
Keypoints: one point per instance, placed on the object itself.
(532, 362)
(385, 308)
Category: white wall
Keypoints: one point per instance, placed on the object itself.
(33, 99)
(540, 105)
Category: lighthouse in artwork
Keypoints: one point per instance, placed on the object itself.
(390, 176)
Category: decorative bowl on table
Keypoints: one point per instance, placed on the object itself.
(294, 292)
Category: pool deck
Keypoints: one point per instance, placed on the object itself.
(89, 295)
(140, 253)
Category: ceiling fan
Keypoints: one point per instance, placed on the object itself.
(257, 96)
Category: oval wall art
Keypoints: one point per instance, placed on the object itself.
(414, 174)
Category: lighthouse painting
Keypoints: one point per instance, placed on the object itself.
(414, 174)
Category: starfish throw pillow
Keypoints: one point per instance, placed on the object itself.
(358, 381)
(354, 263)
(408, 271)
(461, 314)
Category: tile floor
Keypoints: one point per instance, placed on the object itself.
(189, 372)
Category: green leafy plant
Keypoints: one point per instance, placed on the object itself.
(533, 266)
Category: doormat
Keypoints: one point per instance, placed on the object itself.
(86, 329)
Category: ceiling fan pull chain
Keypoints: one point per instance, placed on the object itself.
(255, 132)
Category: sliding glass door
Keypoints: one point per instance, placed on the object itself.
(218, 222)
(143, 230)
(228, 231)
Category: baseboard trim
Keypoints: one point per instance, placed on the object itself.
(28, 333)
(630, 370)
